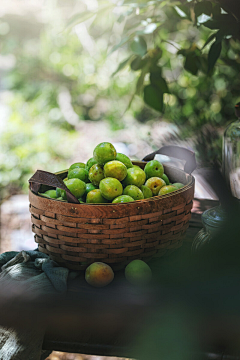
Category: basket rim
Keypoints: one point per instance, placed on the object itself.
(142, 201)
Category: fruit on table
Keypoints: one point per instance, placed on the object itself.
(104, 152)
(167, 189)
(99, 274)
(96, 174)
(166, 179)
(78, 173)
(178, 185)
(110, 188)
(124, 159)
(135, 176)
(77, 165)
(122, 199)
(76, 186)
(155, 184)
(147, 192)
(90, 163)
(95, 197)
(153, 169)
(134, 192)
(137, 272)
(115, 169)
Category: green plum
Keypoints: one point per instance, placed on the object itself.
(77, 165)
(154, 169)
(96, 174)
(115, 169)
(124, 159)
(155, 184)
(147, 192)
(122, 199)
(134, 192)
(95, 197)
(110, 188)
(178, 185)
(104, 152)
(78, 173)
(167, 189)
(135, 176)
(166, 179)
(90, 163)
(76, 186)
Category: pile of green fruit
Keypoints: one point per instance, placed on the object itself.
(111, 177)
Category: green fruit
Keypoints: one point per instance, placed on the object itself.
(125, 160)
(115, 169)
(58, 192)
(90, 187)
(178, 185)
(77, 165)
(110, 188)
(76, 186)
(155, 184)
(134, 192)
(96, 174)
(147, 192)
(78, 173)
(135, 176)
(137, 272)
(90, 163)
(51, 194)
(165, 178)
(104, 152)
(95, 197)
(167, 189)
(122, 199)
(153, 169)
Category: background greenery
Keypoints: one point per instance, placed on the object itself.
(116, 62)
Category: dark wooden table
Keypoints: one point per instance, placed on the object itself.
(108, 321)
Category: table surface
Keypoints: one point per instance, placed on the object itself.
(105, 320)
(109, 321)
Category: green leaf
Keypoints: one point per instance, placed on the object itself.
(122, 42)
(153, 97)
(214, 54)
(140, 81)
(149, 29)
(211, 37)
(122, 65)
(138, 63)
(139, 46)
(80, 17)
(191, 64)
(183, 11)
(204, 7)
(158, 81)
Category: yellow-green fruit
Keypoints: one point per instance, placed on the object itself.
(115, 169)
(166, 179)
(135, 176)
(167, 189)
(122, 199)
(134, 192)
(137, 272)
(90, 163)
(124, 159)
(78, 173)
(147, 193)
(96, 174)
(178, 185)
(76, 186)
(104, 152)
(155, 184)
(95, 197)
(110, 188)
(77, 165)
(99, 274)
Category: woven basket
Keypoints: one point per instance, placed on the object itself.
(76, 235)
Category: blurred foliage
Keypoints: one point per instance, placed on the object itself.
(93, 60)
(186, 58)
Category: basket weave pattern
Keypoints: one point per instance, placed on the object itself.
(70, 240)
